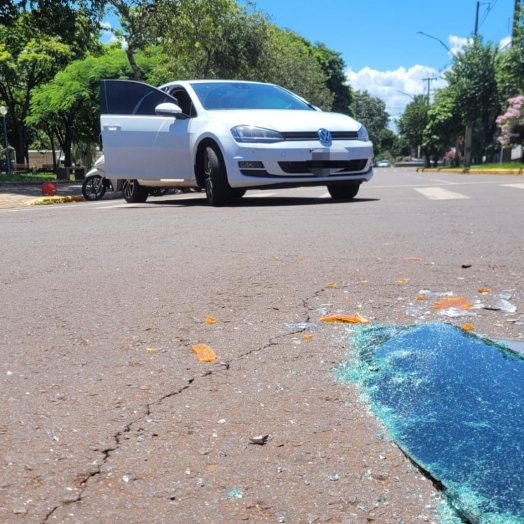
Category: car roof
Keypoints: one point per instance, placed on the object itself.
(214, 81)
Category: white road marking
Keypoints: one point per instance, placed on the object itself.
(445, 182)
(519, 186)
(438, 193)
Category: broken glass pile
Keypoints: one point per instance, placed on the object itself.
(454, 402)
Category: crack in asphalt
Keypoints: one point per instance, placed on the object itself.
(127, 429)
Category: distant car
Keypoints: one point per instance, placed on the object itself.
(227, 137)
(383, 163)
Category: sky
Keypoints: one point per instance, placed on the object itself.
(379, 42)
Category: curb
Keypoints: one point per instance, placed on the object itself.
(46, 201)
(468, 171)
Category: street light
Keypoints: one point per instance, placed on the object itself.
(402, 92)
(438, 40)
(3, 112)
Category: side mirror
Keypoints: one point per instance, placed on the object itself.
(169, 109)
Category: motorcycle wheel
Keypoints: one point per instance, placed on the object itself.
(93, 188)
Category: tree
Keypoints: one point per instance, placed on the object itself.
(413, 122)
(333, 67)
(371, 112)
(141, 25)
(288, 61)
(443, 125)
(511, 122)
(472, 82)
(510, 67)
(68, 106)
(213, 39)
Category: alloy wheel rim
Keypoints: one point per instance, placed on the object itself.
(209, 180)
(128, 188)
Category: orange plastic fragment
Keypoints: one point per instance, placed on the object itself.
(307, 337)
(361, 319)
(346, 319)
(468, 327)
(402, 280)
(421, 297)
(204, 353)
(302, 259)
(413, 259)
(484, 290)
(453, 302)
(151, 350)
(331, 284)
(346, 298)
(277, 258)
(364, 282)
(211, 320)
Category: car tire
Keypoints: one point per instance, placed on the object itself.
(133, 192)
(218, 190)
(238, 193)
(343, 191)
(93, 188)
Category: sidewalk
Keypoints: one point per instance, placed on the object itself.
(16, 195)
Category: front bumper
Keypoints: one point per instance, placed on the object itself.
(294, 164)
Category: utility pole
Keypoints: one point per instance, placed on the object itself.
(477, 18)
(468, 146)
(428, 80)
(516, 17)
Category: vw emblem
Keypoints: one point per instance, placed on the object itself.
(324, 135)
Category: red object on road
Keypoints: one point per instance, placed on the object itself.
(48, 189)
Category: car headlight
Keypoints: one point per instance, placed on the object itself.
(363, 134)
(252, 134)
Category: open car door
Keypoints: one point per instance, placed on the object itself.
(138, 143)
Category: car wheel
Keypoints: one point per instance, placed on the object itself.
(343, 191)
(238, 193)
(133, 192)
(218, 190)
(93, 188)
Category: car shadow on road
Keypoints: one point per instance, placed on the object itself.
(261, 201)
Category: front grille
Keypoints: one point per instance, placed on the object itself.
(314, 166)
(313, 135)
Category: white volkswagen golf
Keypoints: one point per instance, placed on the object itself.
(227, 137)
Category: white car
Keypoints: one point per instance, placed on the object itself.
(227, 137)
(383, 163)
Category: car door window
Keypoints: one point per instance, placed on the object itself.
(127, 97)
(184, 101)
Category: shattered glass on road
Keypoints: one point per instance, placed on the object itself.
(454, 402)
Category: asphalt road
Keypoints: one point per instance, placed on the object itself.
(107, 417)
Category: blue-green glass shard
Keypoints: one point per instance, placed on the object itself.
(454, 402)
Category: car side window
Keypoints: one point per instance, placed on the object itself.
(127, 97)
(184, 101)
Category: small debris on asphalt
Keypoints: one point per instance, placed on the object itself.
(457, 313)
(455, 302)
(301, 325)
(468, 327)
(402, 280)
(211, 320)
(331, 284)
(260, 440)
(505, 306)
(466, 266)
(345, 319)
(307, 337)
(235, 493)
(204, 353)
(484, 290)
(412, 259)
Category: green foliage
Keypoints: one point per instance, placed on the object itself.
(69, 105)
(443, 124)
(510, 68)
(333, 67)
(371, 112)
(213, 39)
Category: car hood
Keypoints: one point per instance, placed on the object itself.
(286, 120)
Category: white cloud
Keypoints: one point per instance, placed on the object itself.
(387, 84)
(505, 43)
(457, 43)
(106, 26)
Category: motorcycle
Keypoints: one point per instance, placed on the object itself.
(96, 184)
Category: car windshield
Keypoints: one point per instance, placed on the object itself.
(242, 95)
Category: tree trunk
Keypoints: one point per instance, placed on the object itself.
(469, 145)
(131, 57)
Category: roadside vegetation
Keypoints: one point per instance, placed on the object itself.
(52, 60)
(484, 97)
